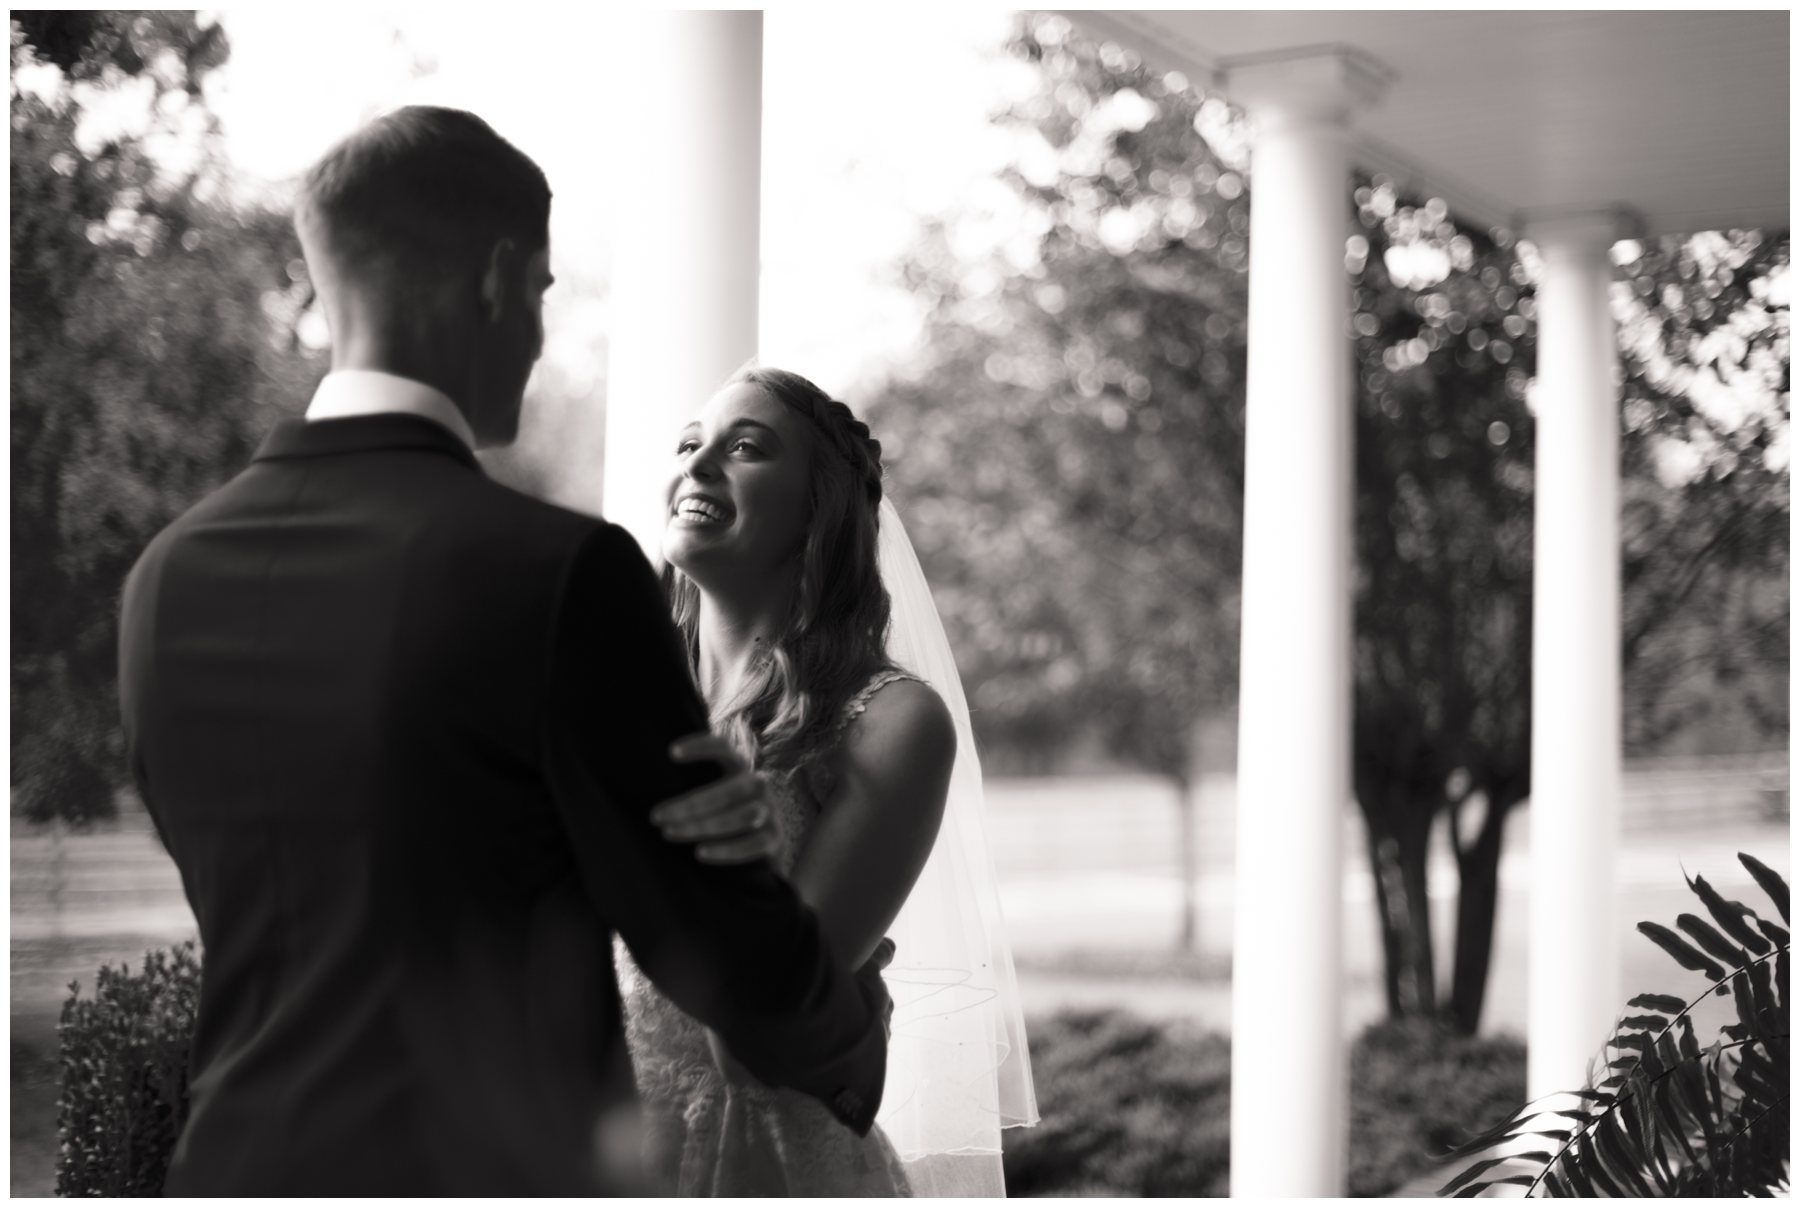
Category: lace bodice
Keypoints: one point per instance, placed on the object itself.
(675, 1067)
(669, 1050)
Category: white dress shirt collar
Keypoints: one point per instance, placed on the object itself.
(353, 392)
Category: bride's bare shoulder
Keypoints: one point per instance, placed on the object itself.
(903, 722)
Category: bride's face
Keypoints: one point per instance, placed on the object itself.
(737, 502)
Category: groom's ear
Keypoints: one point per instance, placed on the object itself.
(501, 260)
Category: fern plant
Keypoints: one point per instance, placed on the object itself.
(1660, 1114)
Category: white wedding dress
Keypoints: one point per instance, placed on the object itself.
(958, 1073)
(710, 1135)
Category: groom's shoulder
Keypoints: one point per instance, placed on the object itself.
(593, 541)
(515, 513)
(514, 507)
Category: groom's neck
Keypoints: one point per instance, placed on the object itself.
(364, 337)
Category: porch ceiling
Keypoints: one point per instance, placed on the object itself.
(1680, 116)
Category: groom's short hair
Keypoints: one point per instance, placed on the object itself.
(422, 189)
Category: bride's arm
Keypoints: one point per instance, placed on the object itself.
(876, 829)
(873, 834)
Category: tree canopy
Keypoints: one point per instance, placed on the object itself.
(1068, 447)
(153, 343)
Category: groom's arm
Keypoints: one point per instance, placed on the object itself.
(732, 945)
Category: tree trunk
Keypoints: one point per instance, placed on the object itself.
(1390, 936)
(1397, 857)
(1478, 895)
(1184, 802)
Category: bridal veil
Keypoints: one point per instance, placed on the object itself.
(958, 1069)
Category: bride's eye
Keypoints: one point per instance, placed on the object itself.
(744, 444)
(687, 445)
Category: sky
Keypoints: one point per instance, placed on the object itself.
(871, 121)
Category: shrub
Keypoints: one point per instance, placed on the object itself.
(1133, 1108)
(1416, 1089)
(1129, 1108)
(124, 1075)
(1660, 1115)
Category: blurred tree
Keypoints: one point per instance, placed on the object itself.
(1444, 326)
(154, 321)
(1068, 449)
(1443, 584)
(1704, 323)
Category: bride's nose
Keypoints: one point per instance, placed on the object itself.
(700, 466)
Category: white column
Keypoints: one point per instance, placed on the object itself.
(1575, 742)
(1288, 1081)
(687, 241)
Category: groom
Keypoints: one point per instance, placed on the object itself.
(401, 730)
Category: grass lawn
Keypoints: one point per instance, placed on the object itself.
(34, 1110)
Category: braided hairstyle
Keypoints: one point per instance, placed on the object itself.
(835, 637)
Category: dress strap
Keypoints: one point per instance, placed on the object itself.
(853, 708)
(818, 775)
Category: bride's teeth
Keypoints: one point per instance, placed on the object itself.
(696, 509)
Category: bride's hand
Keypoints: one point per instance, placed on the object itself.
(731, 818)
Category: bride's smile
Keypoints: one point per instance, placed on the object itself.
(702, 510)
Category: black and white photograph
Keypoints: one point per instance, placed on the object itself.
(873, 601)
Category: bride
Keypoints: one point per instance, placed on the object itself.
(812, 635)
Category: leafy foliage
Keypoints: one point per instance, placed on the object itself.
(1068, 451)
(1416, 1086)
(153, 342)
(124, 1075)
(1078, 404)
(1137, 1108)
(1704, 324)
(1662, 1116)
(1129, 1107)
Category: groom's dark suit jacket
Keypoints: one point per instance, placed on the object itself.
(400, 728)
